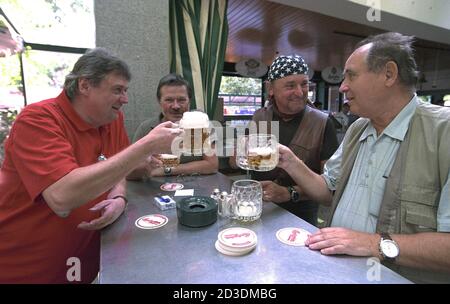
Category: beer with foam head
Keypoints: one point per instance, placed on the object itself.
(168, 160)
(262, 159)
(196, 133)
(262, 153)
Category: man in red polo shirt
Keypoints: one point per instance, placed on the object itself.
(62, 179)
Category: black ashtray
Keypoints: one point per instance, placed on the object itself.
(197, 211)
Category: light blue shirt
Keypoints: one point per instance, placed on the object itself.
(360, 203)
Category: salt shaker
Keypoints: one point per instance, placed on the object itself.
(216, 195)
(224, 207)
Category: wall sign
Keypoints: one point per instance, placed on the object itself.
(332, 74)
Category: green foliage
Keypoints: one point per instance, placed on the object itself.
(45, 22)
(10, 71)
(7, 118)
(240, 86)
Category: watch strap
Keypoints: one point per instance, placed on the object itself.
(124, 199)
(385, 236)
(295, 196)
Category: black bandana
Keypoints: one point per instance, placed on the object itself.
(284, 66)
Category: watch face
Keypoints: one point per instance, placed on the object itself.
(389, 248)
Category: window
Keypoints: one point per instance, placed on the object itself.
(55, 34)
(241, 96)
(11, 90)
(65, 23)
(312, 92)
(45, 73)
(446, 100)
(425, 98)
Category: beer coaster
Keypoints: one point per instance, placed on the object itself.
(151, 221)
(293, 236)
(222, 250)
(237, 238)
(171, 186)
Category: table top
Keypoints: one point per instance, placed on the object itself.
(176, 254)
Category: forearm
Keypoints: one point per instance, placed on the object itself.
(424, 250)
(310, 184)
(119, 189)
(86, 183)
(200, 166)
(208, 165)
(138, 173)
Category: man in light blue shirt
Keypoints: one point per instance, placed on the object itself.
(369, 218)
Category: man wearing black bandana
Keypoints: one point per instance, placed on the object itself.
(305, 130)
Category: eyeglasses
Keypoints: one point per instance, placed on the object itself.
(179, 101)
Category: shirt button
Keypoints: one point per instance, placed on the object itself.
(367, 175)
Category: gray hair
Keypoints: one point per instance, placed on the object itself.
(94, 66)
(173, 79)
(392, 47)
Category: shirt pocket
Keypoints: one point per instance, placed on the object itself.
(305, 151)
(420, 209)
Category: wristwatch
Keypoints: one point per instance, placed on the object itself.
(389, 249)
(167, 171)
(295, 196)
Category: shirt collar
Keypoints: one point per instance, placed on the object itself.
(399, 125)
(66, 106)
(277, 116)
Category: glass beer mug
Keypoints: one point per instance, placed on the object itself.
(196, 139)
(247, 200)
(241, 152)
(168, 160)
(262, 152)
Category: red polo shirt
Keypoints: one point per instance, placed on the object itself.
(47, 141)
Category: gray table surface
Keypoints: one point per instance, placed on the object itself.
(176, 254)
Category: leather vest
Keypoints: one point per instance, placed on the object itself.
(306, 143)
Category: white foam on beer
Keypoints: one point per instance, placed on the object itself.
(168, 156)
(263, 151)
(194, 120)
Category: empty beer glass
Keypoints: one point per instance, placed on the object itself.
(247, 200)
(262, 154)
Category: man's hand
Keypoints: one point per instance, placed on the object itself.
(273, 192)
(162, 137)
(335, 240)
(153, 166)
(288, 159)
(110, 208)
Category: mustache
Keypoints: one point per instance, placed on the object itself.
(297, 99)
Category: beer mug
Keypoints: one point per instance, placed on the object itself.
(168, 160)
(241, 152)
(247, 200)
(262, 154)
(196, 139)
